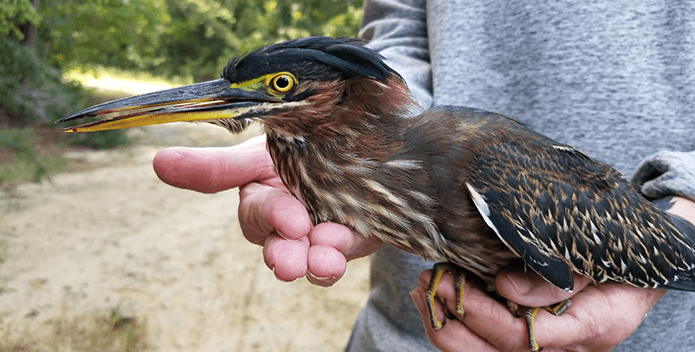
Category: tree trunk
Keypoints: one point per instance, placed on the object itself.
(30, 33)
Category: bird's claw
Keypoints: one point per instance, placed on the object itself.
(438, 271)
(529, 315)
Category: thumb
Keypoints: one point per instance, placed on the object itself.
(530, 289)
(211, 170)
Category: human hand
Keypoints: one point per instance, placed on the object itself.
(596, 309)
(683, 207)
(269, 214)
(489, 326)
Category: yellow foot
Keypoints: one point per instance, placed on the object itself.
(515, 309)
(559, 308)
(529, 315)
(438, 271)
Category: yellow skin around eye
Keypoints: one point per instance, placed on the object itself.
(270, 81)
(252, 84)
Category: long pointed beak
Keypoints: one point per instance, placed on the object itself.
(211, 100)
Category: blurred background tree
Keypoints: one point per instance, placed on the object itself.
(193, 38)
(188, 40)
(171, 38)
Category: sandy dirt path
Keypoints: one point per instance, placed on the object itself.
(117, 237)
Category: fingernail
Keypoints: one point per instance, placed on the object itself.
(319, 277)
(287, 238)
(281, 235)
(322, 281)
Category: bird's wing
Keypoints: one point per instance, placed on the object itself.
(560, 210)
(549, 267)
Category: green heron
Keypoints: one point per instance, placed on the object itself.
(473, 189)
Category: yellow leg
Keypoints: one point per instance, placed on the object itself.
(530, 317)
(438, 271)
(515, 309)
(559, 308)
(460, 280)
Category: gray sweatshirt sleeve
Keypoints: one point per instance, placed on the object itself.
(398, 30)
(666, 173)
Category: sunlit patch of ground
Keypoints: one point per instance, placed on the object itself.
(126, 83)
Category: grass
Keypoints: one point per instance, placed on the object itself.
(107, 332)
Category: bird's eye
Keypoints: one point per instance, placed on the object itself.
(282, 82)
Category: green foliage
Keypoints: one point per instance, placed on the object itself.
(109, 32)
(33, 92)
(188, 38)
(13, 14)
(191, 38)
(26, 161)
(208, 33)
(17, 64)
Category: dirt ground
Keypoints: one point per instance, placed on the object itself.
(115, 237)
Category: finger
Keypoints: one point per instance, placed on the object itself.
(344, 240)
(325, 265)
(582, 327)
(210, 170)
(332, 246)
(454, 336)
(529, 289)
(287, 259)
(594, 311)
(608, 307)
(265, 209)
(483, 316)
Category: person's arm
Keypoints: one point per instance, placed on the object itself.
(398, 31)
(596, 309)
(665, 174)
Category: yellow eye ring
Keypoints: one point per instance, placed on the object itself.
(281, 82)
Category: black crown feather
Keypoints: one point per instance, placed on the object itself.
(309, 58)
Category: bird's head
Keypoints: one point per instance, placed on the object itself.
(315, 86)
